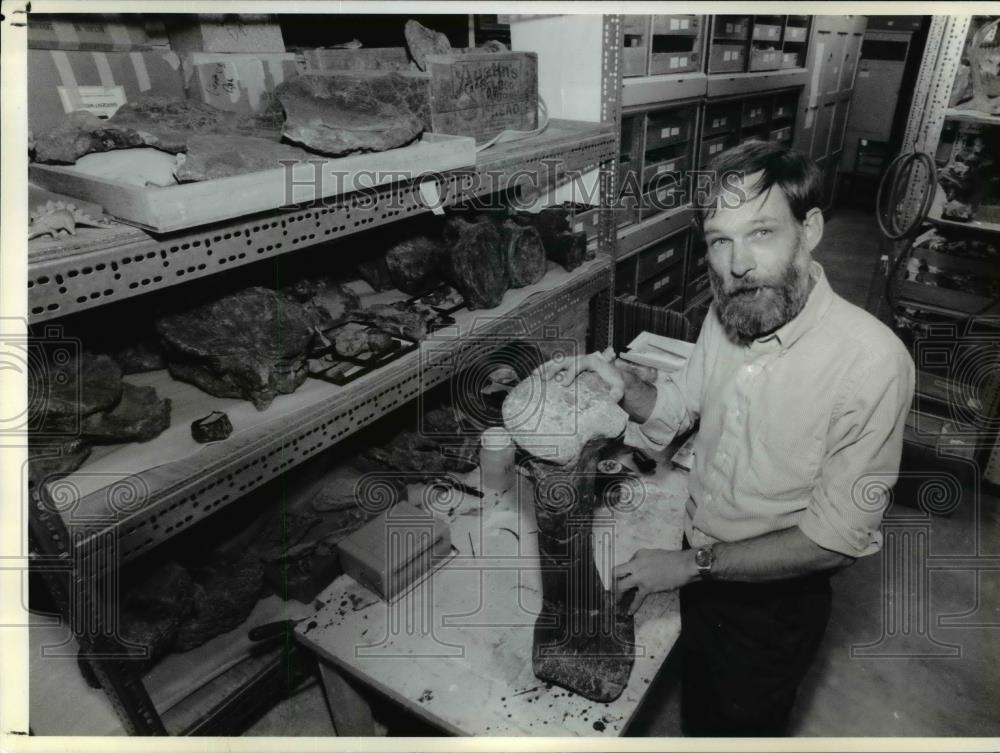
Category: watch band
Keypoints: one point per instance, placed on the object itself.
(704, 558)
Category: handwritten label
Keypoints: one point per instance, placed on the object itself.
(102, 101)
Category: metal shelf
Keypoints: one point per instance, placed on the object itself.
(934, 215)
(725, 84)
(634, 238)
(99, 267)
(647, 90)
(972, 116)
(174, 496)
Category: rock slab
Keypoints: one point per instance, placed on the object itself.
(251, 344)
(556, 421)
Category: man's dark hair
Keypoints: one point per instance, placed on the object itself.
(791, 171)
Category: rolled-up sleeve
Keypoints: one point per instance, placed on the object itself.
(862, 459)
(678, 400)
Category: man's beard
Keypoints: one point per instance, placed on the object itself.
(755, 307)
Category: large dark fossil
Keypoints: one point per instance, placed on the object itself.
(583, 640)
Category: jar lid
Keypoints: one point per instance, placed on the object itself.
(495, 438)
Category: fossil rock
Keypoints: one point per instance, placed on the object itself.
(219, 156)
(225, 592)
(524, 254)
(64, 388)
(229, 349)
(411, 320)
(340, 114)
(415, 264)
(546, 414)
(143, 354)
(583, 640)
(152, 611)
(139, 416)
(423, 42)
(211, 428)
(476, 262)
(47, 460)
(161, 122)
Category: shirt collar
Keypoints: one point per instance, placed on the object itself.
(819, 300)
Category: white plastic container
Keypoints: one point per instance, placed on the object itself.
(496, 461)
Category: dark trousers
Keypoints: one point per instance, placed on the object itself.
(745, 648)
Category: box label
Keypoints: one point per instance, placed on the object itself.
(665, 255)
(102, 101)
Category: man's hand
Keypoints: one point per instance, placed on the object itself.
(565, 371)
(653, 570)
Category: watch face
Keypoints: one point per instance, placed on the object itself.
(704, 557)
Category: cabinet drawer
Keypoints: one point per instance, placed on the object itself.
(660, 285)
(698, 265)
(789, 60)
(731, 27)
(587, 221)
(661, 256)
(711, 147)
(756, 111)
(656, 168)
(781, 134)
(765, 60)
(766, 32)
(721, 118)
(634, 61)
(669, 127)
(635, 24)
(696, 287)
(681, 24)
(796, 33)
(784, 106)
(661, 200)
(625, 277)
(673, 62)
(727, 57)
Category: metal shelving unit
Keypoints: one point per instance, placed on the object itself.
(81, 542)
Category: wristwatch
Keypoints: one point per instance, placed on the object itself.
(704, 558)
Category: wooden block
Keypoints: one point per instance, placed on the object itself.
(481, 94)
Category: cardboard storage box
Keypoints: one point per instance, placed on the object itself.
(104, 33)
(655, 169)
(235, 81)
(796, 33)
(63, 81)
(765, 60)
(661, 256)
(225, 33)
(673, 62)
(727, 57)
(667, 127)
(680, 24)
(766, 32)
(784, 106)
(755, 111)
(667, 283)
(482, 94)
(732, 27)
(721, 118)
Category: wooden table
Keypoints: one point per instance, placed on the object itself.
(456, 649)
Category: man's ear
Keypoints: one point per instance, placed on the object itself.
(812, 228)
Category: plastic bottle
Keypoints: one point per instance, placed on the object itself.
(496, 460)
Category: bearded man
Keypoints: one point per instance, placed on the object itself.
(801, 399)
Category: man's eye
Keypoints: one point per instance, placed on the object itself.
(718, 242)
(761, 232)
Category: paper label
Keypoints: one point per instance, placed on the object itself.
(675, 24)
(660, 283)
(577, 227)
(665, 255)
(102, 101)
(729, 29)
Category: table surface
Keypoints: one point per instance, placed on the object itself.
(456, 648)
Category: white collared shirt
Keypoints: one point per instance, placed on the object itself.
(802, 427)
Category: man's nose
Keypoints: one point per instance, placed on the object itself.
(743, 260)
